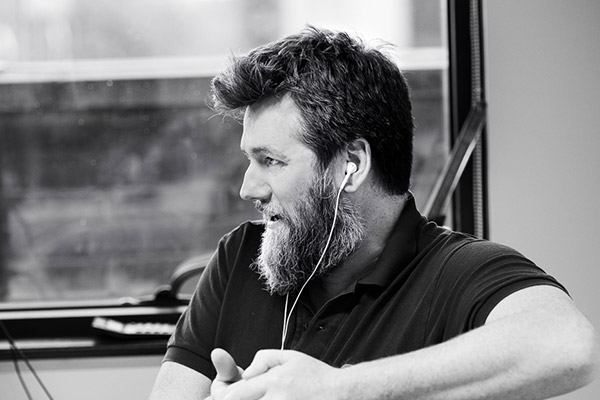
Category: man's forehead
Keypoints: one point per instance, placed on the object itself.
(271, 126)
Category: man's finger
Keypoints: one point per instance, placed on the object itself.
(227, 369)
(264, 360)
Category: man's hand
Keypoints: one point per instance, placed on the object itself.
(227, 373)
(276, 374)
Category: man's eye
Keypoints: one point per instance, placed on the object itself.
(271, 161)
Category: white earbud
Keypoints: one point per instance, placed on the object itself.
(351, 168)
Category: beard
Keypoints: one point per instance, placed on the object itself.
(290, 252)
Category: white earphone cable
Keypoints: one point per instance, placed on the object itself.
(286, 315)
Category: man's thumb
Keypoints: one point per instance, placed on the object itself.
(227, 370)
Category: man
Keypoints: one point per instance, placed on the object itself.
(344, 291)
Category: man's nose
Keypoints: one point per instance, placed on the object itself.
(253, 186)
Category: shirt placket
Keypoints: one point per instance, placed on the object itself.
(314, 331)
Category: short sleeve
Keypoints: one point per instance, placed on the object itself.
(194, 335)
(479, 274)
(199, 329)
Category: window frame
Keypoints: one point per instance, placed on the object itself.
(466, 73)
(65, 330)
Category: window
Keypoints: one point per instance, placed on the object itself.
(113, 172)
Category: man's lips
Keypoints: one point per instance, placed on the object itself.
(269, 213)
(272, 218)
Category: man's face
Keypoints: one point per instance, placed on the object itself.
(296, 199)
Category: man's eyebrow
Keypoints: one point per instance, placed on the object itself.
(261, 150)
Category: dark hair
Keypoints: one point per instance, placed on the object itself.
(344, 90)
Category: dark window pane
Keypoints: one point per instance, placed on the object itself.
(113, 170)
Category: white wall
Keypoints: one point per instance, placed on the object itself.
(543, 91)
(128, 378)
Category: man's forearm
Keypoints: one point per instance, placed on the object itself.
(529, 355)
(175, 381)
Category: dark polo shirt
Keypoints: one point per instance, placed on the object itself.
(428, 286)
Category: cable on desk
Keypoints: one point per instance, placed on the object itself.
(18, 354)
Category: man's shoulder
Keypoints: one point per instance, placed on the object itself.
(245, 237)
(450, 242)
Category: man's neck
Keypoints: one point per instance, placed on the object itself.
(380, 216)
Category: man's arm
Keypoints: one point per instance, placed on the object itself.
(535, 344)
(176, 381)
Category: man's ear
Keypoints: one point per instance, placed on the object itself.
(359, 153)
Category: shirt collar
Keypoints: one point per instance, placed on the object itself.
(400, 248)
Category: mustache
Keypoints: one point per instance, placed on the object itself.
(264, 208)
(269, 210)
